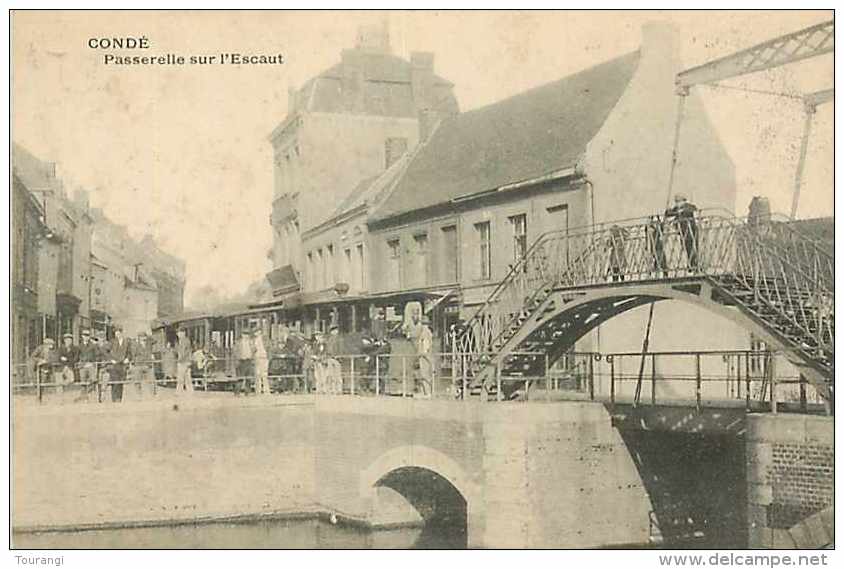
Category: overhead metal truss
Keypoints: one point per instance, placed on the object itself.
(809, 42)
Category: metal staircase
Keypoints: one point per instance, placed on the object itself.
(773, 275)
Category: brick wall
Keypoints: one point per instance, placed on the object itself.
(802, 479)
(790, 475)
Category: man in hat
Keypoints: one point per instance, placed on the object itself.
(683, 215)
(89, 355)
(43, 359)
(68, 358)
(184, 352)
(119, 356)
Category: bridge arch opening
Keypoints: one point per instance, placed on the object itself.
(441, 506)
(434, 485)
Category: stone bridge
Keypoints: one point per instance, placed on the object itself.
(539, 474)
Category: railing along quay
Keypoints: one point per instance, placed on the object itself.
(757, 379)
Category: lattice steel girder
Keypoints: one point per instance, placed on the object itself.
(809, 42)
(818, 98)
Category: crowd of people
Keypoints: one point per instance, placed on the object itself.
(101, 369)
(94, 365)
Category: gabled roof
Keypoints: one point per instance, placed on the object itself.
(524, 137)
(34, 173)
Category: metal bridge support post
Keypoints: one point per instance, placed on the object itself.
(547, 379)
(809, 113)
(352, 375)
(377, 375)
(698, 382)
(498, 395)
(773, 376)
(803, 402)
(38, 383)
(591, 378)
(465, 379)
(453, 367)
(747, 380)
(404, 376)
(681, 108)
(612, 383)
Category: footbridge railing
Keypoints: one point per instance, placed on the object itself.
(763, 264)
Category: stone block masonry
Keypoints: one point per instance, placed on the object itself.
(791, 476)
(531, 475)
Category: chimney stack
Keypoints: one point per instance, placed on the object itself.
(374, 38)
(660, 38)
(422, 79)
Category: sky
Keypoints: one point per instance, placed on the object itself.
(183, 152)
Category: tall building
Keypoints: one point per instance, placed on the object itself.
(64, 269)
(349, 123)
(28, 231)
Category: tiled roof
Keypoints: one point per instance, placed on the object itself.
(520, 138)
(34, 173)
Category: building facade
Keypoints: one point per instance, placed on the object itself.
(73, 268)
(135, 281)
(443, 224)
(346, 125)
(64, 270)
(28, 232)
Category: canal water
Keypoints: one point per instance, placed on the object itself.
(312, 533)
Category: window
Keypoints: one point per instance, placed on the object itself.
(484, 250)
(360, 279)
(450, 254)
(328, 267)
(320, 270)
(345, 273)
(518, 224)
(420, 273)
(393, 264)
(393, 150)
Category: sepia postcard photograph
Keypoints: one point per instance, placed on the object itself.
(418, 279)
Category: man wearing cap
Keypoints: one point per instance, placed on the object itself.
(119, 355)
(68, 358)
(683, 214)
(89, 355)
(43, 359)
(184, 352)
